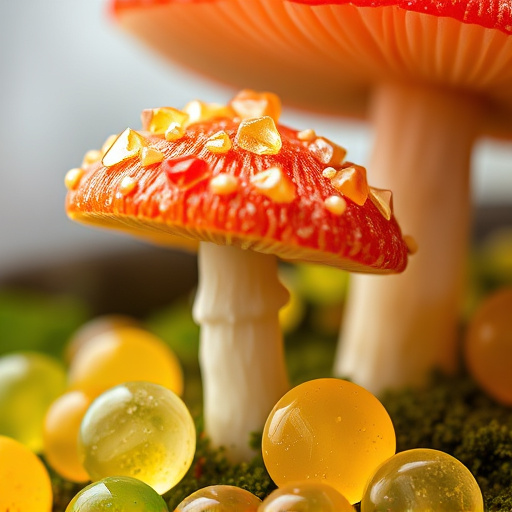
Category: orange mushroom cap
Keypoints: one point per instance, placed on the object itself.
(329, 54)
(243, 182)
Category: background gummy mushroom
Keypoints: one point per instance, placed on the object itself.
(436, 75)
(247, 191)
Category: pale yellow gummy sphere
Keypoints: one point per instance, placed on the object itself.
(124, 354)
(24, 482)
(330, 431)
(141, 430)
(422, 480)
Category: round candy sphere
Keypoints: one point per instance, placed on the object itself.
(422, 480)
(138, 429)
(125, 354)
(220, 498)
(117, 493)
(488, 346)
(306, 497)
(330, 431)
(93, 328)
(60, 434)
(29, 383)
(24, 482)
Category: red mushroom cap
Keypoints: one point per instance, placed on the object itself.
(246, 183)
(486, 13)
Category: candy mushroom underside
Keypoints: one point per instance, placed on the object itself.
(247, 192)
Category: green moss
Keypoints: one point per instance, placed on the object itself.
(63, 490)
(453, 415)
(210, 467)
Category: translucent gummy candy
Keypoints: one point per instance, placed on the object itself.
(422, 480)
(329, 431)
(24, 482)
(306, 497)
(220, 498)
(140, 430)
(259, 136)
(117, 493)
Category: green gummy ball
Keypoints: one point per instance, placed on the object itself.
(422, 480)
(115, 493)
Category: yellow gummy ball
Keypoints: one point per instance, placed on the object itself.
(93, 328)
(329, 431)
(24, 482)
(422, 480)
(123, 355)
(306, 497)
(60, 435)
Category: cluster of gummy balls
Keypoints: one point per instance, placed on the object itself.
(115, 418)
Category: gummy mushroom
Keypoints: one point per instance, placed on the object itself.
(246, 191)
(431, 76)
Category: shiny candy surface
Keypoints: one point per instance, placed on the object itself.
(121, 355)
(92, 328)
(158, 120)
(219, 142)
(117, 494)
(351, 182)
(29, 383)
(327, 152)
(274, 184)
(127, 145)
(259, 136)
(306, 497)
(61, 428)
(220, 498)
(141, 430)
(488, 347)
(249, 104)
(422, 480)
(24, 482)
(329, 431)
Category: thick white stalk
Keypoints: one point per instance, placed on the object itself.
(241, 351)
(398, 328)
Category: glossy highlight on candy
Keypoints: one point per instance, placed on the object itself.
(329, 431)
(117, 493)
(24, 482)
(422, 480)
(306, 497)
(141, 430)
(220, 498)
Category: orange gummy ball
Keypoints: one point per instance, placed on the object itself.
(329, 431)
(220, 498)
(306, 497)
(60, 434)
(24, 482)
(125, 354)
(488, 346)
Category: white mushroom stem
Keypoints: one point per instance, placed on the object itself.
(241, 351)
(398, 328)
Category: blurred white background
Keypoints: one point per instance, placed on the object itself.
(70, 78)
